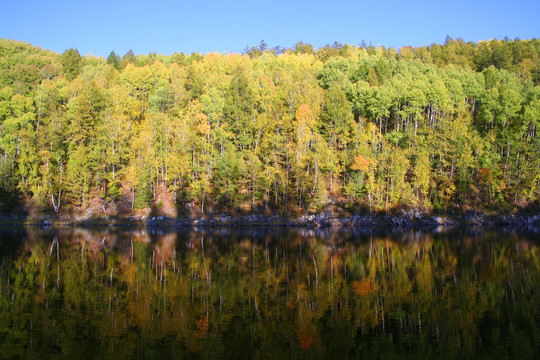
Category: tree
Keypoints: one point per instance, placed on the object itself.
(114, 59)
(128, 58)
(78, 176)
(72, 63)
(303, 48)
(335, 127)
(239, 108)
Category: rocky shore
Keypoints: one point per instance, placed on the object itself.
(404, 219)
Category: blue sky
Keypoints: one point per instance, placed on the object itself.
(165, 26)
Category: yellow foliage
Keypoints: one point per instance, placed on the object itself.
(202, 127)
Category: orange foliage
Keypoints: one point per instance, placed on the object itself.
(360, 163)
(362, 288)
(485, 175)
(304, 338)
(202, 328)
(303, 111)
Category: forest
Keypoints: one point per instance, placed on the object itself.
(290, 130)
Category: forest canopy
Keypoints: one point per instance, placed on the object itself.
(289, 129)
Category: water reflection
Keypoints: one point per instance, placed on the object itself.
(275, 293)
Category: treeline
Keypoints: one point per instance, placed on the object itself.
(436, 127)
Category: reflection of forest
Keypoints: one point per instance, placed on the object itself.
(268, 294)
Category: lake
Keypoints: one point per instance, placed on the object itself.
(272, 293)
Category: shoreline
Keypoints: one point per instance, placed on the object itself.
(404, 220)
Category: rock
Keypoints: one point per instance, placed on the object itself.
(476, 219)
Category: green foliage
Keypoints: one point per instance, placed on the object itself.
(114, 60)
(292, 131)
(302, 48)
(143, 192)
(71, 62)
(115, 190)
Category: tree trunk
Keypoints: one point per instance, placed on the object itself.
(56, 206)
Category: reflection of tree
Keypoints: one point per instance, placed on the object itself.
(258, 294)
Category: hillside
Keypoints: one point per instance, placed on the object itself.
(289, 131)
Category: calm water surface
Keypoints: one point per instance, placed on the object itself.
(268, 294)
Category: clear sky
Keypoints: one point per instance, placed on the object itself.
(165, 26)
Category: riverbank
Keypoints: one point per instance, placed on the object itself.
(404, 219)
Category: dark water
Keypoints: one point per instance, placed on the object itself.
(268, 294)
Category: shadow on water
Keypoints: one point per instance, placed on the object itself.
(12, 240)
